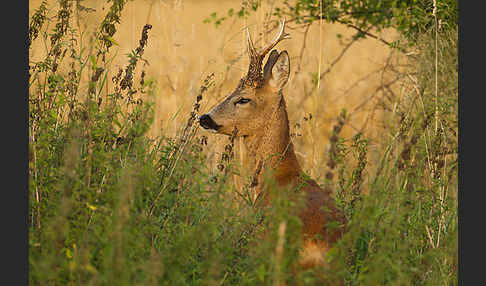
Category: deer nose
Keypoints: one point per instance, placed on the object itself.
(207, 122)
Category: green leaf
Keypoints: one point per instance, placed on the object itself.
(111, 40)
(92, 58)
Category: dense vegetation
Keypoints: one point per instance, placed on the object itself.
(110, 206)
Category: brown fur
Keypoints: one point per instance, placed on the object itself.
(320, 207)
(263, 123)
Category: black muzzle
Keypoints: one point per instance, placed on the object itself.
(208, 123)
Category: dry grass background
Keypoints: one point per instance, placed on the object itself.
(105, 208)
(182, 51)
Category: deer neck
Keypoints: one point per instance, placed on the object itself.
(271, 148)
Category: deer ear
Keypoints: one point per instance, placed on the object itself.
(280, 71)
(267, 70)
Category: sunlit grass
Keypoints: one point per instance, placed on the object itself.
(125, 189)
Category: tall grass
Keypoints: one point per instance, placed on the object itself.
(109, 205)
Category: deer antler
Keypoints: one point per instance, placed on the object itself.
(254, 76)
(279, 37)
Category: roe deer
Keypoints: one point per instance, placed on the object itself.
(257, 109)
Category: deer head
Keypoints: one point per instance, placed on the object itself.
(258, 93)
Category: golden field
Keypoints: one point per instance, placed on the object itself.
(182, 51)
(126, 192)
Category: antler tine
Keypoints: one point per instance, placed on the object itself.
(279, 37)
(251, 48)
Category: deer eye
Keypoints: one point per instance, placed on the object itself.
(242, 101)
